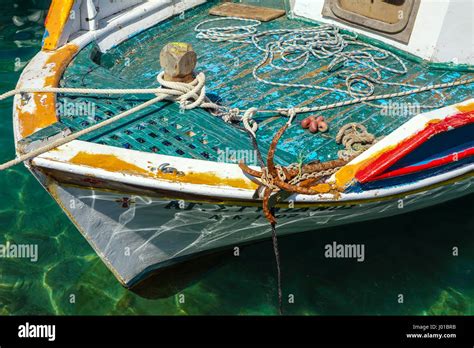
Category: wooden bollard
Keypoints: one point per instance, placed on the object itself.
(178, 60)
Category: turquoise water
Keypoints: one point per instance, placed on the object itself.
(409, 255)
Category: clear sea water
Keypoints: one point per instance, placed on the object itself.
(409, 255)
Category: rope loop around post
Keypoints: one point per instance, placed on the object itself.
(193, 93)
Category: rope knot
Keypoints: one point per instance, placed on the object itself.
(189, 95)
(232, 115)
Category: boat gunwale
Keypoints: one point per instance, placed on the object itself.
(222, 191)
(207, 199)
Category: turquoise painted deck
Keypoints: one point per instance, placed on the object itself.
(228, 68)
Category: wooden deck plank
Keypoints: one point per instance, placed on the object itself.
(230, 9)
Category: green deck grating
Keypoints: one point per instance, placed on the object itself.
(228, 68)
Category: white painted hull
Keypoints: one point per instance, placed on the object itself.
(150, 233)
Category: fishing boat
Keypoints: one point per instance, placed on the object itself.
(166, 129)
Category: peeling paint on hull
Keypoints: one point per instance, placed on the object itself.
(39, 109)
(114, 164)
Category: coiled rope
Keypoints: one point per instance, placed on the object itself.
(355, 138)
(293, 49)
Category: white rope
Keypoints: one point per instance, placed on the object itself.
(249, 123)
(192, 95)
(189, 95)
(302, 110)
(295, 48)
(291, 116)
(78, 134)
(85, 91)
(237, 33)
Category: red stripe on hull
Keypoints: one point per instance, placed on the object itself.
(375, 169)
(435, 163)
